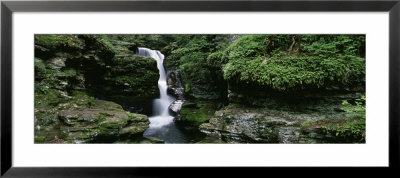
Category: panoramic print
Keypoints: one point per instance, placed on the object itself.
(199, 88)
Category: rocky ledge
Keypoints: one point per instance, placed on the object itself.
(242, 124)
(99, 122)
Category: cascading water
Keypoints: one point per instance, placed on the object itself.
(161, 114)
(162, 125)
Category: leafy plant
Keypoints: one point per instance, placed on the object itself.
(296, 62)
(355, 128)
(187, 88)
(91, 101)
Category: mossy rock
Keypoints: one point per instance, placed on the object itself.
(197, 112)
(133, 76)
(238, 123)
(81, 119)
(59, 42)
(345, 130)
(105, 122)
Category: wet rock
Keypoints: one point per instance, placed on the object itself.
(195, 112)
(243, 124)
(289, 134)
(174, 85)
(332, 131)
(104, 122)
(176, 106)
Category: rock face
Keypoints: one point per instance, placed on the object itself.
(175, 88)
(243, 124)
(305, 101)
(81, 119)
(175, 85)
(131, 81)
(176, 106)
(72, 70)
(86, 62)
(105, 122)
(196, 112)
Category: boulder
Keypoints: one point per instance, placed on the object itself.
(105, 122)
(195, 112)
(79, 120)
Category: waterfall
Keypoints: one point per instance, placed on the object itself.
(162, 125)
(161, 115)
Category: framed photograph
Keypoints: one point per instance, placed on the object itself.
(113, 88)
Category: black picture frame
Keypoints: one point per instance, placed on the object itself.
(8, 7)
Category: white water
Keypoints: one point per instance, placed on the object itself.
(161, 116)
(162, 124)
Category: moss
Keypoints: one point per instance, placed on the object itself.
(318, 63)
(69, 73)
(131, 115)
(195, 117)
(40, 68)
(107, 106)
(113, 125)
(133, 75)
(58, 41)
(46, 117)
(187, 88)
(80, 98)
(108, 45)
(308, 124)
(344, 130)
(102, 117)
(40, 139)
(353, 130)
(48, 98)
(198, 112)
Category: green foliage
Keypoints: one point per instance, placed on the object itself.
(296, 62)
(91, 101)
(308, 123)
(192, 56)
(356, 126)
(40, 68)
(134, 75)
(48, 97)
(131, 115)
(104, 40)
(80, 98)
(40, 139)
(197, 112)
(187, 88)
(357, 110)
(58, 41)
(69, 73)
